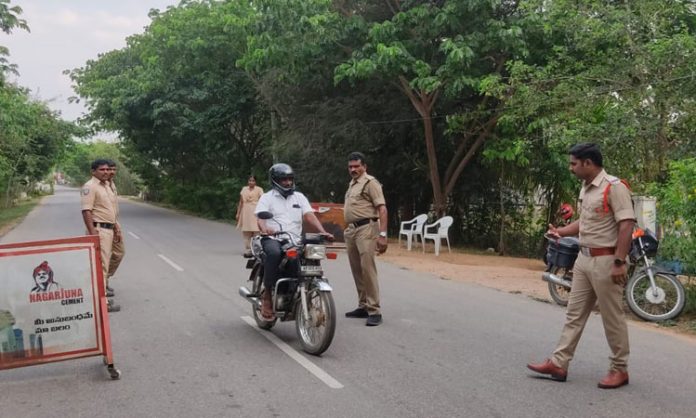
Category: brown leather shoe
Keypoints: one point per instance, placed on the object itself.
(547, 367)
(615, 379)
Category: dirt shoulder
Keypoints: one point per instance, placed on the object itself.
(509, 274)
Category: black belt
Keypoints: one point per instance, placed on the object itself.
(362, 222)
(103, 225)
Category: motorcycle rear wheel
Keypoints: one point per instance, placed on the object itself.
(317, 331)
(559, 294)
(256, 288)
(667, 304)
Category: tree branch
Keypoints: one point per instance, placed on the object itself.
(451, 182)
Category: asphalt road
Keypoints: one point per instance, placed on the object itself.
(445, 349)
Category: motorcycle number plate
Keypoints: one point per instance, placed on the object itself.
(310, 268)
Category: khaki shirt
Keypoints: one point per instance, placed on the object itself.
(112, 184)
(100, 199)
(362, 199)
(599, 228)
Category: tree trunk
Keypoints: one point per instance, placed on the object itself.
(424, 103)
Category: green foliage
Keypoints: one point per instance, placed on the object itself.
(32, 139)
(469, 105)
(77, 160)
(690, 303)
(187, 116)
(618, 73)
(676, 212)
(11, 216)
(9, 20)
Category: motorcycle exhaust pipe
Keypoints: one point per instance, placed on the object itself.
(552, 278)
(245, 293)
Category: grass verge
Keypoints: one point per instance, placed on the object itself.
(10, 217)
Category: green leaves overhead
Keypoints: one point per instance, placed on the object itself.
(466, 104)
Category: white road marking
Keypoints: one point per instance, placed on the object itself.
(133, 235)
(311, 367)
(170, 262)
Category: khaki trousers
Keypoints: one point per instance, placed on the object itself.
(118, 250)
(106, 242)
(592, 283)
(361, 246)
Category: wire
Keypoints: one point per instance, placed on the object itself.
(513, 107)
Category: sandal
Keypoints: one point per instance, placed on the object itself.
(266, 309)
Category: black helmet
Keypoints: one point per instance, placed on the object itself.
(281, 171)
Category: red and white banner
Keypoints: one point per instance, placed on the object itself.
(50, 304)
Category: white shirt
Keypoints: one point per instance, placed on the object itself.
(287, 212)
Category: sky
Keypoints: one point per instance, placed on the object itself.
(64, 35)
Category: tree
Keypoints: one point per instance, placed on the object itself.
(446, 51)
(188, 118)
(31, 139)
(617, 73)
(9, 20)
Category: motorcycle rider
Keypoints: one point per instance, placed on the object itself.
(289, 208)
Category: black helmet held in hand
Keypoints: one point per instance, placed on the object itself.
(279, 172)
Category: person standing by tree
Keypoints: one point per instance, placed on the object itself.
(245, 217)
(99, 215)
(365, 212)
(605, 227)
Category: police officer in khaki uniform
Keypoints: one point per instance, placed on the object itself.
(99, 209)
(605, 227)
(118, 249)
(365, 212)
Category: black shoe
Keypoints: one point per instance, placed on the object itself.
(110, 292)
(112, 307)
(374, 320)
(357, 313)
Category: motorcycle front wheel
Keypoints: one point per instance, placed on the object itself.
(660, 304)
(257, 287)
(317, 330)
(560, 294)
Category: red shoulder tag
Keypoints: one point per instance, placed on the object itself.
(605, 197)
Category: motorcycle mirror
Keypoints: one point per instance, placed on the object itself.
(264, 215)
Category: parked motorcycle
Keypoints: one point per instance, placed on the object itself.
(302, 293)
(652, 293)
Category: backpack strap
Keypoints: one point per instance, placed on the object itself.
(605, 197)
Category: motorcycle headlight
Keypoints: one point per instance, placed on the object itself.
(314, 252)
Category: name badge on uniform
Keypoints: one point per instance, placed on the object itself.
(296, 206)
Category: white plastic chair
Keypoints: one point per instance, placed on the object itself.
(437, 231)
(412, 228)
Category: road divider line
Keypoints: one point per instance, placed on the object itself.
(133, 235)
(293, 354)
(170, 262)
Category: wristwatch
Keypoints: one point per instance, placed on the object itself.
(619, 262)
(383, 234)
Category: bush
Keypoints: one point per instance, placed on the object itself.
(690, 305)
(216, 200)
(676, 213)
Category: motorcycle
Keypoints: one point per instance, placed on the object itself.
(652, 293)
(302, 293)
